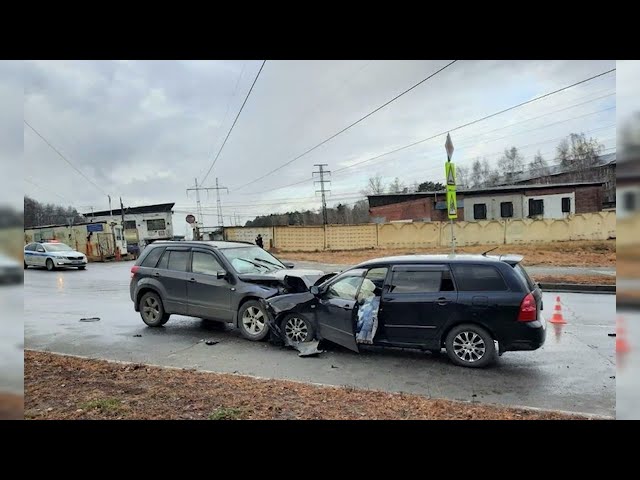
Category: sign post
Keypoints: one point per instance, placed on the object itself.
(450, 175)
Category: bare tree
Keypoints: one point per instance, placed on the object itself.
(538, 166)
(511, 163)
(562, 153)
(375, 186)
(490, 176)
(462, 177)
(476, 173)
(579, 154)
(397, 186)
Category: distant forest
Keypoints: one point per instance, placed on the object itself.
(36, 214)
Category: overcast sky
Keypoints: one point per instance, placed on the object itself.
(144, 130)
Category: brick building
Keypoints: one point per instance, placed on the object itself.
(495, 203)
(603, 171)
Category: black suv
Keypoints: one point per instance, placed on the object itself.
(221, 281)
(463, 303)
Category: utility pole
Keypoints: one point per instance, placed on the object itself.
(197, 189)
(322, 172)
(122, 213)
(218, 204)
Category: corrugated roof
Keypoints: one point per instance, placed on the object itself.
(158, 208)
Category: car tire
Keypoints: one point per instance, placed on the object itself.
(297, 326)
(152, 310)
(25, 265)
(470, 345)
(252, 321)
(50, 266)
(81, 268)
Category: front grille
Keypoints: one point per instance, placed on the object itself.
(74, 258)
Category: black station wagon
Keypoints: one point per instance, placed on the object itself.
(465, 304)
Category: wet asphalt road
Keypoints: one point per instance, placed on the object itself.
(628, 380)
(574, 372)
(11, 339)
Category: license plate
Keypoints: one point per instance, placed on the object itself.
(77, 262)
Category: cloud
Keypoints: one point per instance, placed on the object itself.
(144, 130)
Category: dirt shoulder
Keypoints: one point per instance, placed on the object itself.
(576, 279)
(11, 406)
(61, 387)
(575, 254)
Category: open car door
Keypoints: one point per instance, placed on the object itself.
(337, 309)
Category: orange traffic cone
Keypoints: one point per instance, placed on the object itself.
(557, 314)
(622, 346)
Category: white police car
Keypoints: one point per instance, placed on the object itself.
(53, 255)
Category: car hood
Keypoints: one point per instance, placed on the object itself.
(309, 277)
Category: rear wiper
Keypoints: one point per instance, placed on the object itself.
(270, 263)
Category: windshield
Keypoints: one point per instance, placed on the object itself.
(252, 260)
(57, 247)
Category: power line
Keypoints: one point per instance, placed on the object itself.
(233, 95)
(346, 128)
(454, 129)
(64, 158)
(486, 117)
(234, 122)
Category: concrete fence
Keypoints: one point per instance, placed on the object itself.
(586, 226)
(629, 228)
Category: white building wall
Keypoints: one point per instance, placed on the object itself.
(552, 205)
(493, 206)
(144, 234)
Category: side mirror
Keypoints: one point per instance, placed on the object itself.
(288, 264)
(315, 290)
(221, 274)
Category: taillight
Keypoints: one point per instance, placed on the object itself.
(528, 310)
(134, 270)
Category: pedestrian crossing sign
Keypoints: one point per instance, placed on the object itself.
(450, 173)
(452, 203)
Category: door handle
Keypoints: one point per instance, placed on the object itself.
(156, 274)
(192, 280)
(347, 307)
(442, 301)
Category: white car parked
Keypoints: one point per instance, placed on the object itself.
(53, 255)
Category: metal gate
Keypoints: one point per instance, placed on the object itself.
(105, 245)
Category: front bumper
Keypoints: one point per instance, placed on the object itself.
(64, 262)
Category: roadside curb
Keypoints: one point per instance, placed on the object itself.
(578, 288)
(588, 416)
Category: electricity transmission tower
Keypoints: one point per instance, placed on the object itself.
(322, 172)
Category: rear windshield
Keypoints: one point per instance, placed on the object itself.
(522, 273)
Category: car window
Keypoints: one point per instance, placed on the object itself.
(345, 288)
(40, 248)
(416, 282)
(205, 263)
(251, 259)
(478, 278)
(178, 261)
(152, 258)
(31, 247)
(373, 283)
